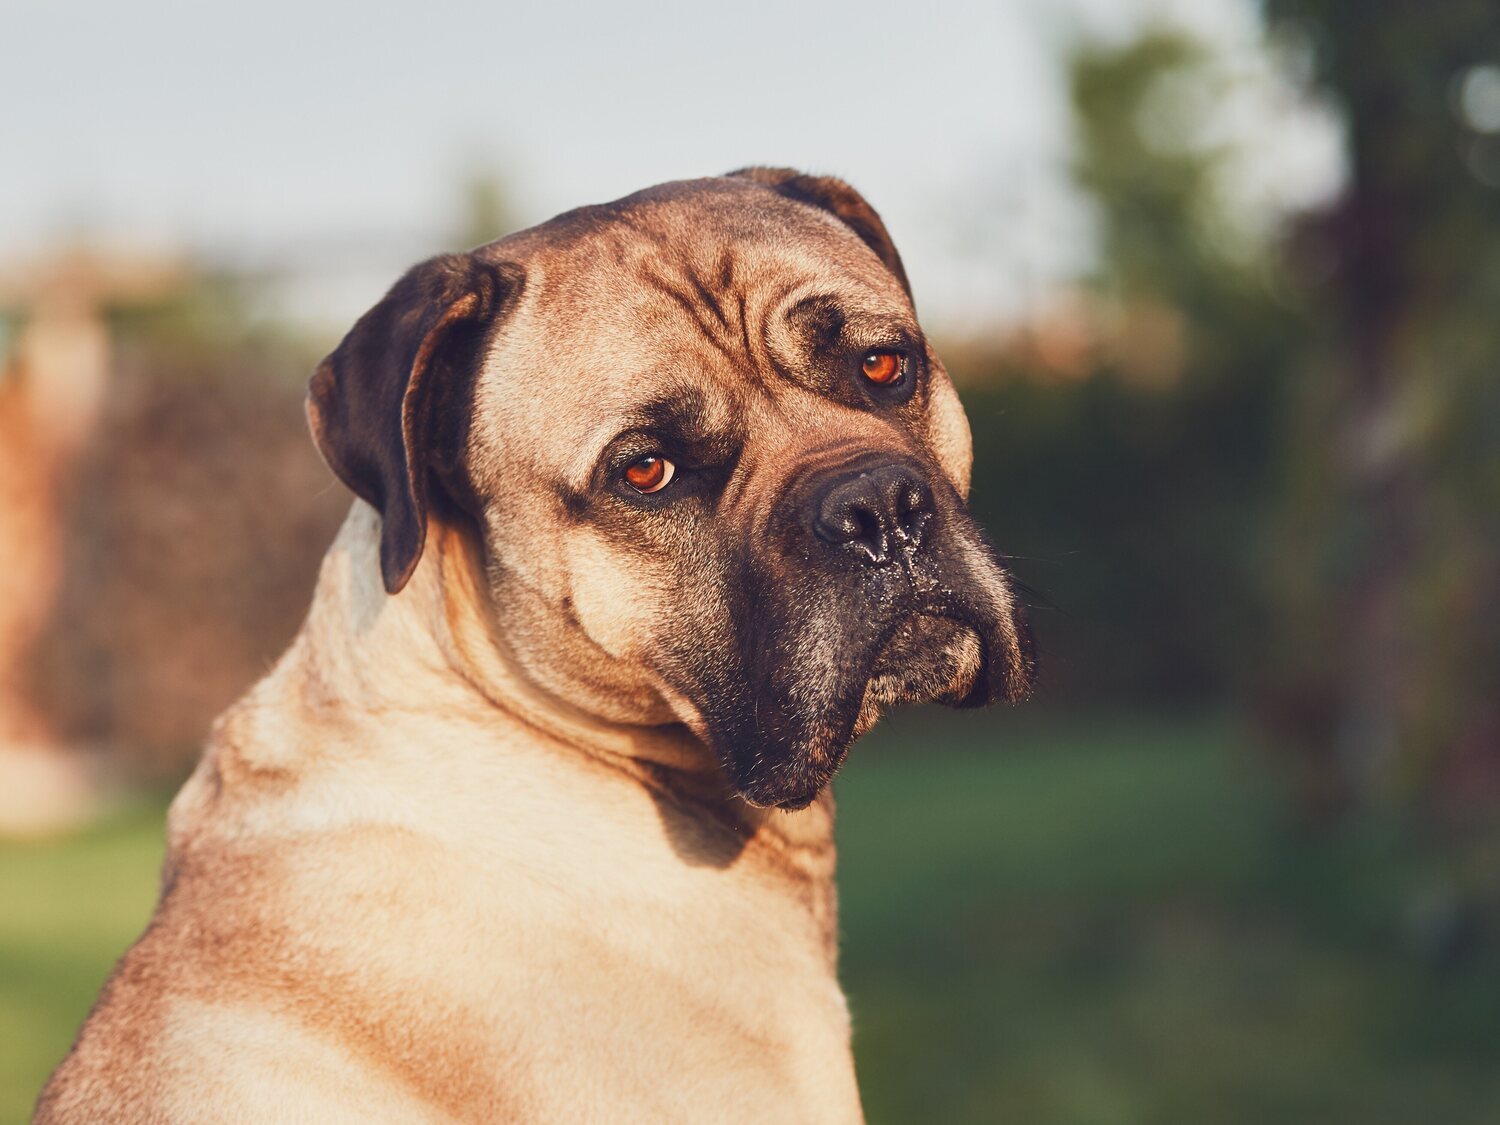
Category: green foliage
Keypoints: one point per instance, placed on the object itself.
(1128, 514)
(487, 210)
(1153, 190)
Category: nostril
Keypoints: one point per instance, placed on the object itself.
(914, 498)
(853, 525)
(841, 524)
(913, 525)
(913, 509)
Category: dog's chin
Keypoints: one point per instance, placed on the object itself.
(788, 794)
(927, 659)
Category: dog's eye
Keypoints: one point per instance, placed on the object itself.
(883, 368)
(650, 474)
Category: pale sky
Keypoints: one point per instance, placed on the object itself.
(324, 133)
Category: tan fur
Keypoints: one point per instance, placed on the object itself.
(527, 926)
(463, 855)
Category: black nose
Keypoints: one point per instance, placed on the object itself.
(874, 511)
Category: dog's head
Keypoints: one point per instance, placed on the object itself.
(717, 472)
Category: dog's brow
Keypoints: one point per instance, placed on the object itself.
(825, 320)
(818, 316)
(685, 413)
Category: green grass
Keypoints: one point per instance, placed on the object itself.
(1109, 922)
(1098, 921)
(68, 909)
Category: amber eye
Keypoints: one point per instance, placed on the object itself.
(650, 474)
(882, 367)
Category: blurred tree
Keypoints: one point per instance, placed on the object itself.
(1386, 578)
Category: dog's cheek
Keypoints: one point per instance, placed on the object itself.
(616, 595)
(948, 432)
(694, 647)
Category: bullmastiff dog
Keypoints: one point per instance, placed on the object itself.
(660, 503)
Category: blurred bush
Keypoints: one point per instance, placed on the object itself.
(193, 528)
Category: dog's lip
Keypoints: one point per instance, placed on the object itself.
(918, 606)
(978, 692)
(912, 617)
(981, 691)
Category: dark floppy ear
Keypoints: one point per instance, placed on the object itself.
(835, 196)
(374, 403)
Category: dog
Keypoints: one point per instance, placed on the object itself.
(660, 504)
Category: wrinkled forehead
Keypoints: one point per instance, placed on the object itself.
(697, 299)
(695, 223)
(700, 251)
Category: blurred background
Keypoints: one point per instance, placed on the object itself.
(1220, 285)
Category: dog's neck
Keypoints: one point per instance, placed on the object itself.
(443, 629)
(453, 660)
